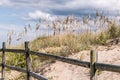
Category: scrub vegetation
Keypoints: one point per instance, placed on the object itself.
(69, 35)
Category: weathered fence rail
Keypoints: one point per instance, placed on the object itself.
(28, 63)
(63, 59)
(93, 64)
(15, 50)
(25, 71)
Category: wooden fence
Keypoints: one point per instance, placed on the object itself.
(93, 65)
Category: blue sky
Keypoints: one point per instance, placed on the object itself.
(15, 14)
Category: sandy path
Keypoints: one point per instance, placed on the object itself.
(64, 71)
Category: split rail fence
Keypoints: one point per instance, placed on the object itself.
(93, 65)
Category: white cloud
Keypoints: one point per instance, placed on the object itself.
(65, 4)
(40, 15)
(95, 4)
(60, 7)
(4, 2)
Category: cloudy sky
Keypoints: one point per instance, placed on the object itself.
(15, 14)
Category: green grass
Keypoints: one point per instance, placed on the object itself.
(111, 32)
(63, 45)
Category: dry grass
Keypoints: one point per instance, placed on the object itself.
(70, 35)
(72, 43)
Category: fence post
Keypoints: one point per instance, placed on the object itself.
(28, 61)
(3, 60)
(93, 60)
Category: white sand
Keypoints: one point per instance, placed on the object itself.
(65, 71)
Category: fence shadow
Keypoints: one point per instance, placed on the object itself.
(93, 65)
